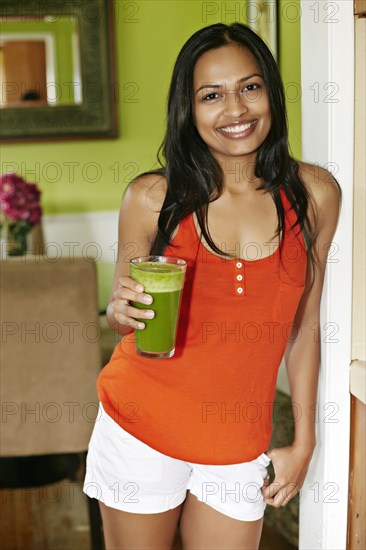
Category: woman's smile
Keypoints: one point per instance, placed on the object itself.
(239, 130)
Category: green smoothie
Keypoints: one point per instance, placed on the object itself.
(164, 282)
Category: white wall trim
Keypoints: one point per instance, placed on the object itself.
(92, 234)
(327, 62)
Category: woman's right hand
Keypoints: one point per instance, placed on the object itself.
(124, 313)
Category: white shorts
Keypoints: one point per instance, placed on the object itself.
(126, 474)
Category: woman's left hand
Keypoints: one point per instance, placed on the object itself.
(290, 465)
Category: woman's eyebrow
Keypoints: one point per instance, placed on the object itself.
(213, 85)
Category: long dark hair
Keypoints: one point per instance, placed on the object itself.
(194, 177)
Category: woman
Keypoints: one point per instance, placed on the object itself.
(186, 439)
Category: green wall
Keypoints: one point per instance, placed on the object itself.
(81, 176)
(290, 63)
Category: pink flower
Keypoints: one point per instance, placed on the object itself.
(8, 184)
(20, 200)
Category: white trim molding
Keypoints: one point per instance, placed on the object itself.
(91, 234)
(327, 65)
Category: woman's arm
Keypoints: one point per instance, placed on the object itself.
(302, 355)
(138, 221)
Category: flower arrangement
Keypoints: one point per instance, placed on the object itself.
(20, 209)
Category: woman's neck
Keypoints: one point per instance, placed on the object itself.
(239, 174)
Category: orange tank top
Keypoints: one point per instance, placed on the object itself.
(212, 402)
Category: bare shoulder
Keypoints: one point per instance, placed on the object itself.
(144, 198)
(324, 191)
(140, 209)
(147, 191)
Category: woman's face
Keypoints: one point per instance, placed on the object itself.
(231, 107)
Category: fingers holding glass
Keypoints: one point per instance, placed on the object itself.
(124, 297)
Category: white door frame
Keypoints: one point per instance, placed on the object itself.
(327, 73)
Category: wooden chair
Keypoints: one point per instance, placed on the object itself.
(50, 360)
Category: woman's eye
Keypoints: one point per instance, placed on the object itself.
(251, 87)
(210, 96)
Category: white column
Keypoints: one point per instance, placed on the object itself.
(327, 64)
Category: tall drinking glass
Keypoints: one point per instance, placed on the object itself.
(162, 278)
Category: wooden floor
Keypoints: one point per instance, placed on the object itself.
(55, 518)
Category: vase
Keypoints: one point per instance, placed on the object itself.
(16, 239)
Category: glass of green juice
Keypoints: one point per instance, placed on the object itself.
(162, 278)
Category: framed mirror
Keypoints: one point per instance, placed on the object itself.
(57, 70)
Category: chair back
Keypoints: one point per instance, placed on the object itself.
(50, 354)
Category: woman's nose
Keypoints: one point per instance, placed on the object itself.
(234, 104)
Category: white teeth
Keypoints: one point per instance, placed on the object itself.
(237, 129)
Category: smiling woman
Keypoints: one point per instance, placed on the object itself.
(184, 427)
